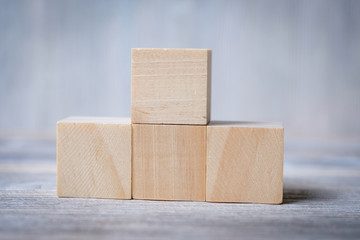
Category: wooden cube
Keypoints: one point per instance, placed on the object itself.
(244, 162)
(169, 162)
(94, 157)
(170, 86)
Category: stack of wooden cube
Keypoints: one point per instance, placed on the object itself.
(170, 150)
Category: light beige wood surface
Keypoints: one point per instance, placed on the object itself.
(169, 162)
(170, 86)
(244, 162)
(94, 157)
(321, 201)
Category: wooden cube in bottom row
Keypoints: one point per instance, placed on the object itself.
(223, 162)
(169, 162)
(94, 157)
(245, 162)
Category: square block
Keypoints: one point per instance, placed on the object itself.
(245, 162)
(170, 86)
(94, 157)
(169, 162)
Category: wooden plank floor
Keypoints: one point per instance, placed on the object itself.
(321, 201)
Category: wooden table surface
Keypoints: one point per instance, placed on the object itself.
(321, 201)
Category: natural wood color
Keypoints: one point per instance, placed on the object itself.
(94, 157)
(245, 162)
(169, 162)
(170, 86)
(321, 201)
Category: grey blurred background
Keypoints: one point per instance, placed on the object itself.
(297, 62)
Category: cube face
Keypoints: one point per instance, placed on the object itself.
(245, 163)
(169, 162)
(170, 86)
(94, 158)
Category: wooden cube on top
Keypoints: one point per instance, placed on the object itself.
(169, 162)
(170, 86)
(245, 162)
(94, 157)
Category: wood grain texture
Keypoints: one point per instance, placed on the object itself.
(94, 158)
(170, 86)
(321, 201)
(244, 162)
(169, 162)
